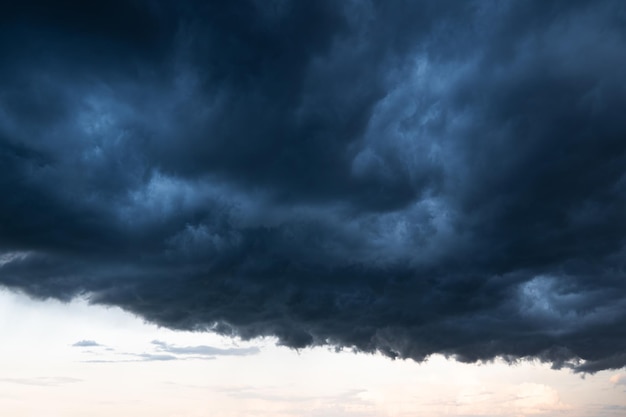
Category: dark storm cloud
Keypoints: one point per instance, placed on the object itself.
(403, 177)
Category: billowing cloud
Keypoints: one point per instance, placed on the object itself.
(399, 177)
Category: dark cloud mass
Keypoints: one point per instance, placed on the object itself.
(403, 177)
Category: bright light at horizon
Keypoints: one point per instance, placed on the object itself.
(78, 359)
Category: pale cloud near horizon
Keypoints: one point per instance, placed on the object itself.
(618, 379)
(158, 350)
(42, 381)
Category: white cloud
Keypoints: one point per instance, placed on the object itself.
(533, 398)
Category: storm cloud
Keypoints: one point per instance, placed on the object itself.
(400, 177)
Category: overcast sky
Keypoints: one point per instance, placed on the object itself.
(405, 178)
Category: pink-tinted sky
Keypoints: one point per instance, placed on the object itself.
(73, 360)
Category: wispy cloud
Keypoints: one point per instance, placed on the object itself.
(87, 343)
(44, 381)
(156, 357)
(135, 357)
(618, 379)
(162, 351)
(203, 350)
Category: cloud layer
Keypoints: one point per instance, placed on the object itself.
(403, 177)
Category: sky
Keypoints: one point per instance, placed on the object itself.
(427, 184)
(74, 359)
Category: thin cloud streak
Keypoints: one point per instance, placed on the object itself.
(86, 343)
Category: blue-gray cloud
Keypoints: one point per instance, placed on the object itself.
(203, 350)
(86, 343)
(406, 178)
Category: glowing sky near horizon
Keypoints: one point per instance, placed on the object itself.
(45, 374)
